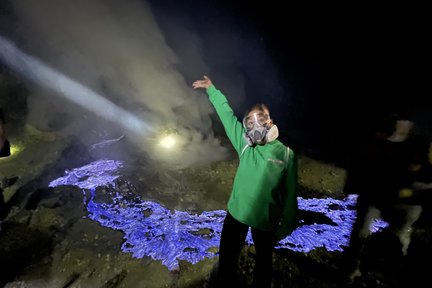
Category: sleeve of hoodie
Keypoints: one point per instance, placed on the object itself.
(233, 128)
(289, 220)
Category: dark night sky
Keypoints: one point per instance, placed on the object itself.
(340, 64)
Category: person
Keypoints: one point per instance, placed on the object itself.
(379, 175)
(264, 193)
(419, 191)
(4, 143)
(4, 152)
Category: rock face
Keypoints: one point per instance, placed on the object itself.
(47, 240)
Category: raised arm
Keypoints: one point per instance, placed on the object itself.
(233, 128)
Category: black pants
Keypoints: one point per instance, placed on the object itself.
(232, 241)
(389, 213)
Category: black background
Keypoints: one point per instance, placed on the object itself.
(344, 65)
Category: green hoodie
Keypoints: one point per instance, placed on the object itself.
(264, 194)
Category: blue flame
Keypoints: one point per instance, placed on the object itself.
(155, 231)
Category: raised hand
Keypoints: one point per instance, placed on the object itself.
(202, 83)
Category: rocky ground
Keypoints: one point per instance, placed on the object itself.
(47, 240)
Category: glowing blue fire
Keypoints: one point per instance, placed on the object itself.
(153, 230)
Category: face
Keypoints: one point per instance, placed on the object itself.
(403, 127)
(256, 117)
(402, 131)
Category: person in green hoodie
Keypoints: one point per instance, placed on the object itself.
(264, 193)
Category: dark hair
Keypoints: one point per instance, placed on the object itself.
(259, 107)
(387, 123)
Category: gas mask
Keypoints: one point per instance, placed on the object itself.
(258, 130)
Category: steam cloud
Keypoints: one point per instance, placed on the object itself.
(118, 50)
